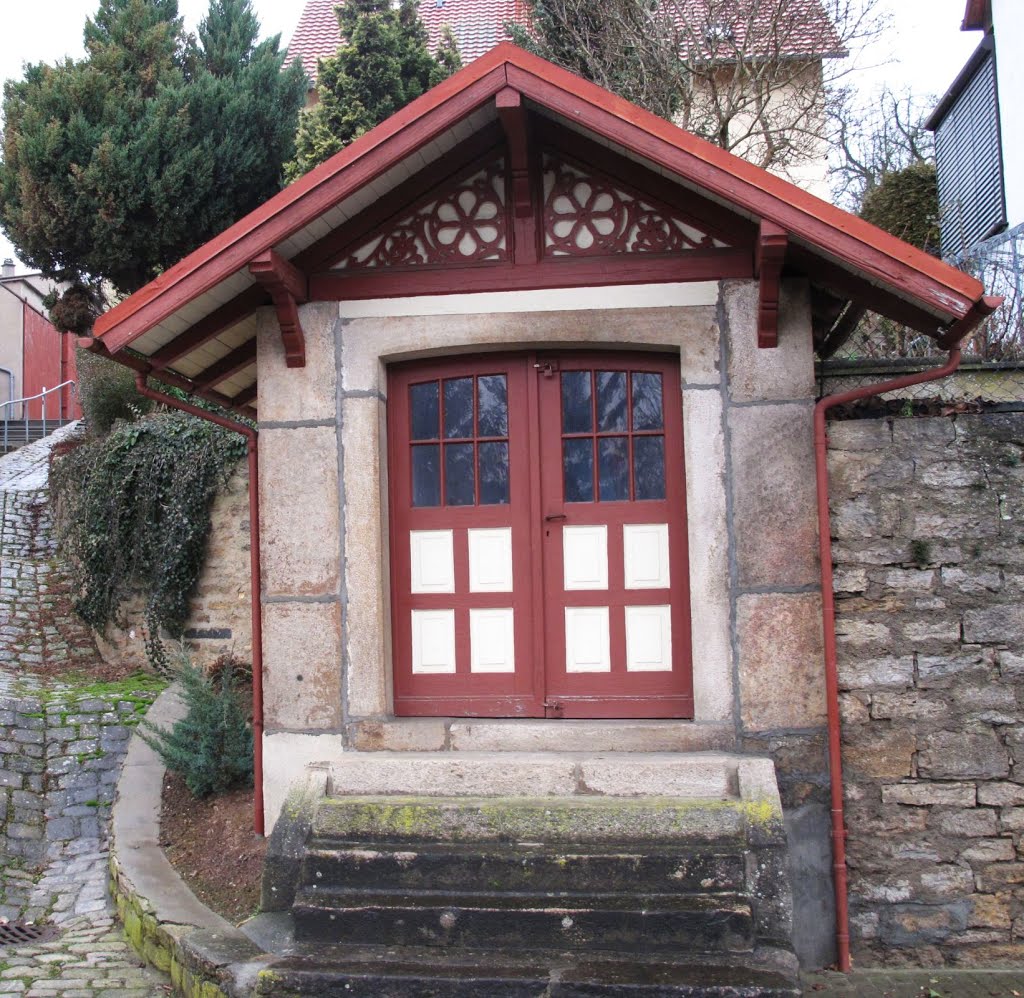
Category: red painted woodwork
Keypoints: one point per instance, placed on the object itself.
(562, 272)
(771, 254)
(523, 181)
(618, 693)
(484, 694)
(900, 271)
(45, 365)
(210, 326)
(540, 685)
(287, 287)
(586, 215)
(229, 365)
(464, 224)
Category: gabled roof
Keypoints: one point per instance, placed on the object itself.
(194, 325)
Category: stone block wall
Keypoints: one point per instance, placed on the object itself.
(220, 620)
(928, 528)
(60, 755)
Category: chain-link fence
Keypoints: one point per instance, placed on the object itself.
(991, 375)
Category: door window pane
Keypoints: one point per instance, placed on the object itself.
(578, 463)
(611, 400)
(426, 475)
(426, 411)
(493, 406)
(647, 414)
(613, 468)
(649, 467)
(458, 475)
(493, 474)
(577, 416)
(458, 408)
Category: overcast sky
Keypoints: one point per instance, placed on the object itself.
(924, 50)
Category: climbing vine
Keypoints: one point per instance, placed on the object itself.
(133, 514)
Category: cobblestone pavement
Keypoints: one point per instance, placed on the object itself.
(60, 755)
(916, 984)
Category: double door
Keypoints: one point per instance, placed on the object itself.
(538, 537)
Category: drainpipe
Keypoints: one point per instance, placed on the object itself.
(835, 764)
(251, 437)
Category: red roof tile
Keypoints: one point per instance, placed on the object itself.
(316, 35)
(800, 27)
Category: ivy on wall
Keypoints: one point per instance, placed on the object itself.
(133, 514)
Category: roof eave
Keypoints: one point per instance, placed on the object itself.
(875, 255)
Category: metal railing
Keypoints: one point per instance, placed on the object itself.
(7, 416)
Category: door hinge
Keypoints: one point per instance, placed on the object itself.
(546, 367)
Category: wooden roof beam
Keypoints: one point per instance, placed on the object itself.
(512, 113)
(210, 326)
(246, 395)
(228, 366)
(288, 288)
(769, 256)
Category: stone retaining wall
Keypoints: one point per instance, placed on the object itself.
(928, 525)
(220, 618)
(60, 755)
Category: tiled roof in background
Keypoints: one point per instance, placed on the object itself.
(316, 35)
(478, 25)
(797, 27)
(766, 28)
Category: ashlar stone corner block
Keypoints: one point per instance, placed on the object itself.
(782, 372)
(780, 654)
(302, 666)
(299, 511)
(292, 393)
(772, 458)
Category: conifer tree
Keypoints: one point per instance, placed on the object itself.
(117, 165)
(382, 65)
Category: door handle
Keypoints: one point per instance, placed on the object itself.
(551, 517)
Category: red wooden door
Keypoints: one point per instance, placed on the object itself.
(462, 554)
(538, 537)
(615, 564)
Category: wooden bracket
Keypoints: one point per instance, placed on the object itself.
(772, 241)
(514, 121)
(288, 288)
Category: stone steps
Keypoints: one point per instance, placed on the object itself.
(454, 865)
(613, 874)
(382, 972)
(639, 922)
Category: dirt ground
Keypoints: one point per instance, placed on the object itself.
(211, 844)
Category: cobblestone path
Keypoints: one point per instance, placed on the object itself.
(60, 755)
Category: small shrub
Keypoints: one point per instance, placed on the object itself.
(211, 746)
(107, 393)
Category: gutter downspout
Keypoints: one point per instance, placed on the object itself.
(828, 617)
(252, 438)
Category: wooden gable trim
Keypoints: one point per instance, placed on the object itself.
(890, 261)
(769, 258)
(844, 242)
(288, 288)
(523, 194)
(307, 199)
(558, 272)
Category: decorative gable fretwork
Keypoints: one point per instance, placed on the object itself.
(588, 215)
(465, 224)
